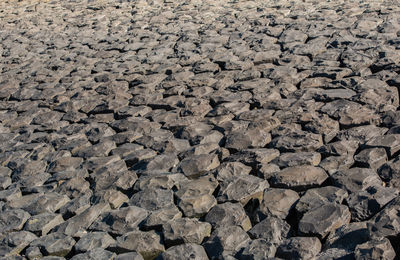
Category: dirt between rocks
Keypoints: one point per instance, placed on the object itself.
(199, 129)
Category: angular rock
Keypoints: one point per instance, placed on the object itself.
(54, 244)
(158, 217)
(299, 177)
(375, 249)
(93, 241)
(257, 249)
(129, 256)
(325, 219)
(228, 214)
(274, 230)
(348, 237)
(299, 248)
(356, 179)
(96, 253)
(277, 202)
(152, 199)
(185, 230)
(297, 159)
(196, 165)
(391, 143)
(42, 223)
(12, 220)
(184, 251)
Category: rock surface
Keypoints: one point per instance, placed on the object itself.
(218, 129)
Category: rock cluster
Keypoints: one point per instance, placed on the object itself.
(199, 129)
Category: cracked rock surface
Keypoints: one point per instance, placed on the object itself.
(199, 129)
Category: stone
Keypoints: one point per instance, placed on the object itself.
(228, 214)
(366, 203)
(93, 240)
(152, 199)
(356, 179)
(54, 244)
(257, 249)
(252, 138)
(348, 237)
(185, 230)
(297, 142)
(229, 169)
(375, 249)
(13, 220)
(157, 218)
(16, 242)
(120, 221)
(274, 230)
(197, 165)
(226, 239)
(371, 158)
(96, 253)
(297, 159)
(299, 177)
(299, 248)
(42, 223)
(324, 220)
(241, 189)
(129, 256)
(184, 251)
(148, 244)
(277, 202)
(385, 223)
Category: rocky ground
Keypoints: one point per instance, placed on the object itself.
(199, 129)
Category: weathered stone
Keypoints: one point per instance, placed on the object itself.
(43, 223)
(371, 158)
(95, 253)
(184, 251)
(185, 230)
(252, 138)
(228, 214)
(196, 165)
(348, 237)
(93, 241)
(129, 256)
(297, 142)
(148, 244)
(325, 219)
(391, 143)
(158, 217)
(152, 199)
(299, 248)
(257, 249)
(299, 177)
(227, 239)
(12, 220)
(272, 229)
(54, 244)
(356, 179)
(385, 223)
(15, 242)
(242, 188)
(229, 169)
(277, 202)
(297, 159)
(375, 249)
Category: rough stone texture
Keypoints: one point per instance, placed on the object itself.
(264, 119)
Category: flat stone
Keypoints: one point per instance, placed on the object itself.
(43, 223)
(157, 218)
(196, 165)
(272, 229)
(317, 197)
(299, 248)
(371, 158)
(299, 177)
(148, 244)
(129, 256)
(390, 142)
(94, 240)
(348, 237)
(356, 179)
(277, 202)
(297, 142)
(325, 219)
(385, 223)
(96, 253)
(229, 169)
(54, 244)
(251, 138)
(13, 220)
(375, 249)
(152, 199)
(227, 239)
(241, 189)
(185, 230)
(297, 159)
(257, 249)
(184, 251)
(15, 242)
(228, 214)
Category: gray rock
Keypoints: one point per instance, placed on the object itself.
(384, 224)
(129, 256)
(391, 143)
(257, 249)
(371, 158)
(356, 179)
(227, 239)
(299, 177)
(95, 253)
(274, 230)
(185, 230)
(148, 244)
(251, 138)
(54, 244)
(325, 219)
(297, 159)
(158, 217)
(277, 202)
(297, 142)
(184, 251)
(94, 240)
(229, 169)
(241, 189)
(348, 237)
(334, 253)
(228, 214)
(43, 223)
(299, 248)
(13, 220)
(152, 199)
(196, 165)
(375, 249)
(15, 242)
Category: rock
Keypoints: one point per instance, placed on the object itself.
(334, 253)
(196, 165)
(325, 219)
(228, 214)
(54, 244)
(129, 256)
(184, 251)
(121, 220)
(257, 249)
(185, 230)
(356, 179)
(96, 253)
(158, 217)
(152, 199)
(391, 143)
(299, 177)
(148, 244)
(375, 249)
(384, 224)
(227, 239)
(277, 202)
(12, 220)
(274, 230)
(43, 223)
(348, 237)
(15, 242)
(297, 142)
(93, 241)
(241, 189)
(366, 203)
(371, 158)
(317, 197)
(297, 159)
(299, 248)
(251, 138)
(229, 169)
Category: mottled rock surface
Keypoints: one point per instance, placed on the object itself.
(255, 129)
